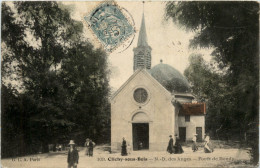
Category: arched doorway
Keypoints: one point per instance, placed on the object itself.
(140, 128)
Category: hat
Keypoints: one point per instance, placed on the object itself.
(71, 142)
(170, 136)
(175, 135)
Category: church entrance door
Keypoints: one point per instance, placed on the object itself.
(140, 136)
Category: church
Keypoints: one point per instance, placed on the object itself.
(153, 103)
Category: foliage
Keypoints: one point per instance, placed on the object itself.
(64, 80)
(211, 87)
(88, 89)
(231, 28)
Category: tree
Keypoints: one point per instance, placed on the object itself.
(85, 74)
(57, 70)
(46, 25)
(232, 29)
(211, 87)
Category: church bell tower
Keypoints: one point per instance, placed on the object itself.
(142, 53)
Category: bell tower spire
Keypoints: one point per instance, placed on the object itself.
(142, 53)
(142, 39)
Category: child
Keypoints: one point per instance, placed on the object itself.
(194, 145)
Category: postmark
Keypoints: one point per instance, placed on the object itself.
(109, 24)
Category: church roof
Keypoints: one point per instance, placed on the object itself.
(142, 39)
(170, 78)
(192, 109)
(144, 71)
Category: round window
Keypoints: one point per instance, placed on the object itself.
(140, 95)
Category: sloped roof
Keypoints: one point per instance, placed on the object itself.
(132, 77)
(192, 109)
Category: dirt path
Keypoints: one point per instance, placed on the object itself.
(220, 158)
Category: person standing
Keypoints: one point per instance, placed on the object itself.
(208, 147)
(87, 146)
(73, 155)
(177, 146)
(170, 147)
(207, 137)
(91, 147)
(124, 151)
(194, 145)
(129, 149)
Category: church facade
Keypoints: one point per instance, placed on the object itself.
(153, 104)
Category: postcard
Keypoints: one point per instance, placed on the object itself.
(129, 84)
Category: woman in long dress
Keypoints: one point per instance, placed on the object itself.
(208, 147)
(124, 151)
(170, 147)
(177, 146)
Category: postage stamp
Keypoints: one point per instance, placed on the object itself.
(110, 25)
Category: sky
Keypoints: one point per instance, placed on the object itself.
(168, 41)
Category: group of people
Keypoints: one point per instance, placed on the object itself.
(174, 146)
(208, 148)
(73, 154)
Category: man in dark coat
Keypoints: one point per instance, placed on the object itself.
(87, 146)
(73, 155)
(91, 147)
(123, 151)
(170, 147)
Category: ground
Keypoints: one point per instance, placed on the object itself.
(231, 157)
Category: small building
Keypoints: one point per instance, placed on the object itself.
(153, 104)
(191, 119)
